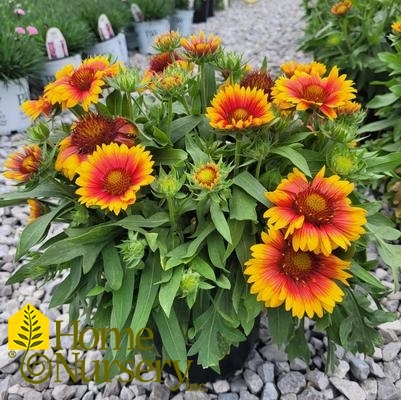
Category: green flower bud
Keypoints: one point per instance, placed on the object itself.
(132, 250)
(189, 283)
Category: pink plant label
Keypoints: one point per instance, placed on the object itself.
(104, 27)
(56, 45)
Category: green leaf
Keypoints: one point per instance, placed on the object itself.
(223, 282)
(216, 250)
(200, 266)
(281, 325)
(219, 221)
(95, 291)
(382, 100)
(391, 255)
(214, 338)
(120, 299)
(298, 346)
(35, 231)
(172, 337)
(366, 276)
(168, 291)
(169, 156)
(180, 127)
(147, 293)
(135, 222)
(197, 155)
(294, 156)
(66, 288)
(46, 189)
(252, 186)
(242, 206)
(112, 267)
(388, 162)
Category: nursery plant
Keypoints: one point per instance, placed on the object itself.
(350, 34)
(200, 194)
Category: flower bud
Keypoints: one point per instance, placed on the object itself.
(189, 283)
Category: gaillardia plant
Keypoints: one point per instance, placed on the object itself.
(201, 193)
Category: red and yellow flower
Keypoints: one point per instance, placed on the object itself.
(90, 131)
(311, 91)
(290, 67)
(235, 108)
(82, 85)
(207, 176)
(35, 210)
(23, 164)
(259, 79)
(341, 8)
(35, 108)
(112, 175)
(396, 27)
(200, 47)
(303, 281)
(317, 215)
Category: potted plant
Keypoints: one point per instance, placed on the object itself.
(196, 199)
(151, 19)
(20, 58)
(107, 21)
(182, 17)
(74, 30)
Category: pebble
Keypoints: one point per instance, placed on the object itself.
(351, 390)
(390, 351)
(270, 392)
(359, 368)
(293, 382)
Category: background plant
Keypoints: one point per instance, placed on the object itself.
(44, 15)
(19, 54)
(116, 11)
(155, 9)
(351, 40)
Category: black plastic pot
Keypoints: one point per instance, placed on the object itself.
(201, 12)
(228, 365)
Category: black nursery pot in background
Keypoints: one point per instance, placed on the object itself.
(211, 8)
(202, 11)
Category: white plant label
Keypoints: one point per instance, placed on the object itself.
(136, 12)
(56, 46)
(104, 27)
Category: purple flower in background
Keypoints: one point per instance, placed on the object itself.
(31, 30)
(19, 11)
(20, 30)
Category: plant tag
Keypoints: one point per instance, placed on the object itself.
(137, 13)
(191, 4)
(104, 27)
(56, 46)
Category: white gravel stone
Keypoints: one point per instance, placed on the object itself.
(350, 389)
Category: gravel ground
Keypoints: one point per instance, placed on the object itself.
(268, 28)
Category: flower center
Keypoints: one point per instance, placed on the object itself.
(314, 93)
(82, 79)
(297, 264)
(92, 131)
(29, 164)
(240, 114)
(314, 206)
(116, 182)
